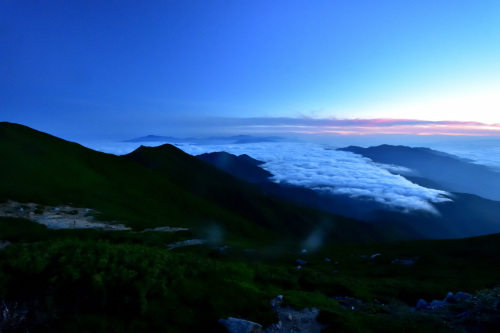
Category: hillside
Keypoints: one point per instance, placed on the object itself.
(120, 280)
(243, 199)
(155, 187)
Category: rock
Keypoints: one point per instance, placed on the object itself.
(235, 325)
(406, 262)
(461, 296)
(435, 304)
(458, 297)
(301, 262)
(449, 295)
(422, 304)
(189, 242)
(276, 302)
(463, 314)
(4, 244)
(289, 317)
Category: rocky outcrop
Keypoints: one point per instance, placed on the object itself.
(235, 325)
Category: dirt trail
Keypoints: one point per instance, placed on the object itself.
(57, 217)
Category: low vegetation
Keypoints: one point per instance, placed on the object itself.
(94, 280)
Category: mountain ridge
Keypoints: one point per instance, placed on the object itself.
(452, 172)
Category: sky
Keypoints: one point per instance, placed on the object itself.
(118, 70)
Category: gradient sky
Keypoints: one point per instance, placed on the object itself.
(120, 69)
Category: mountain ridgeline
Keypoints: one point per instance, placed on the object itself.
(163, 186)
(153, 187)
(242, 238)
(465, 216)
(448, 172)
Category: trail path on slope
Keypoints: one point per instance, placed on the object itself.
(57, 217)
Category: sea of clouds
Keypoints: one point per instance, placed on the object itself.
(323, 169)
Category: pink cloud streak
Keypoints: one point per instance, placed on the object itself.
(334, 126)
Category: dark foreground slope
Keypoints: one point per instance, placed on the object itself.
(154, 187)
(98, 281)
(37, 167)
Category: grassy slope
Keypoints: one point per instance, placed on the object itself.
(97, 281)
(247, 200)
(173, 189)
(41, 168)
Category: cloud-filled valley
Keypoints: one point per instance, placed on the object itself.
(334, 172)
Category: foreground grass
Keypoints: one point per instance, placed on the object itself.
(76, 280)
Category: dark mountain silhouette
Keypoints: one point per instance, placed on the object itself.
(242, 198)
(156, 187)
(449, 172)
(467, 215)
(243, 167)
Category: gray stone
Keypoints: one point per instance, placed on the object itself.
(422, 304)
(458, 297)
(301, 262)
(277, 301)
(463, 314)
(235, 325)
(406, 262)
(461, 296)
(435, 304)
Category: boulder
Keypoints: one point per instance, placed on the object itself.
(301, 262)
(461, 296)
(458, 297)
(405, 262)
(422, 304)
(277, 301)
(449, 296)
(235, 325)
(435, 304)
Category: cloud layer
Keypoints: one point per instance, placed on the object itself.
(335, 126)
(336, 172)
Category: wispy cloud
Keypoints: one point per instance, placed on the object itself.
(335, 126)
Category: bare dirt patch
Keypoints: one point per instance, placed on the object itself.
(57, 217)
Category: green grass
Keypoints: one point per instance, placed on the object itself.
(90, 280)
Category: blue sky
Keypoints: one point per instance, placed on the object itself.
(84, 69)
